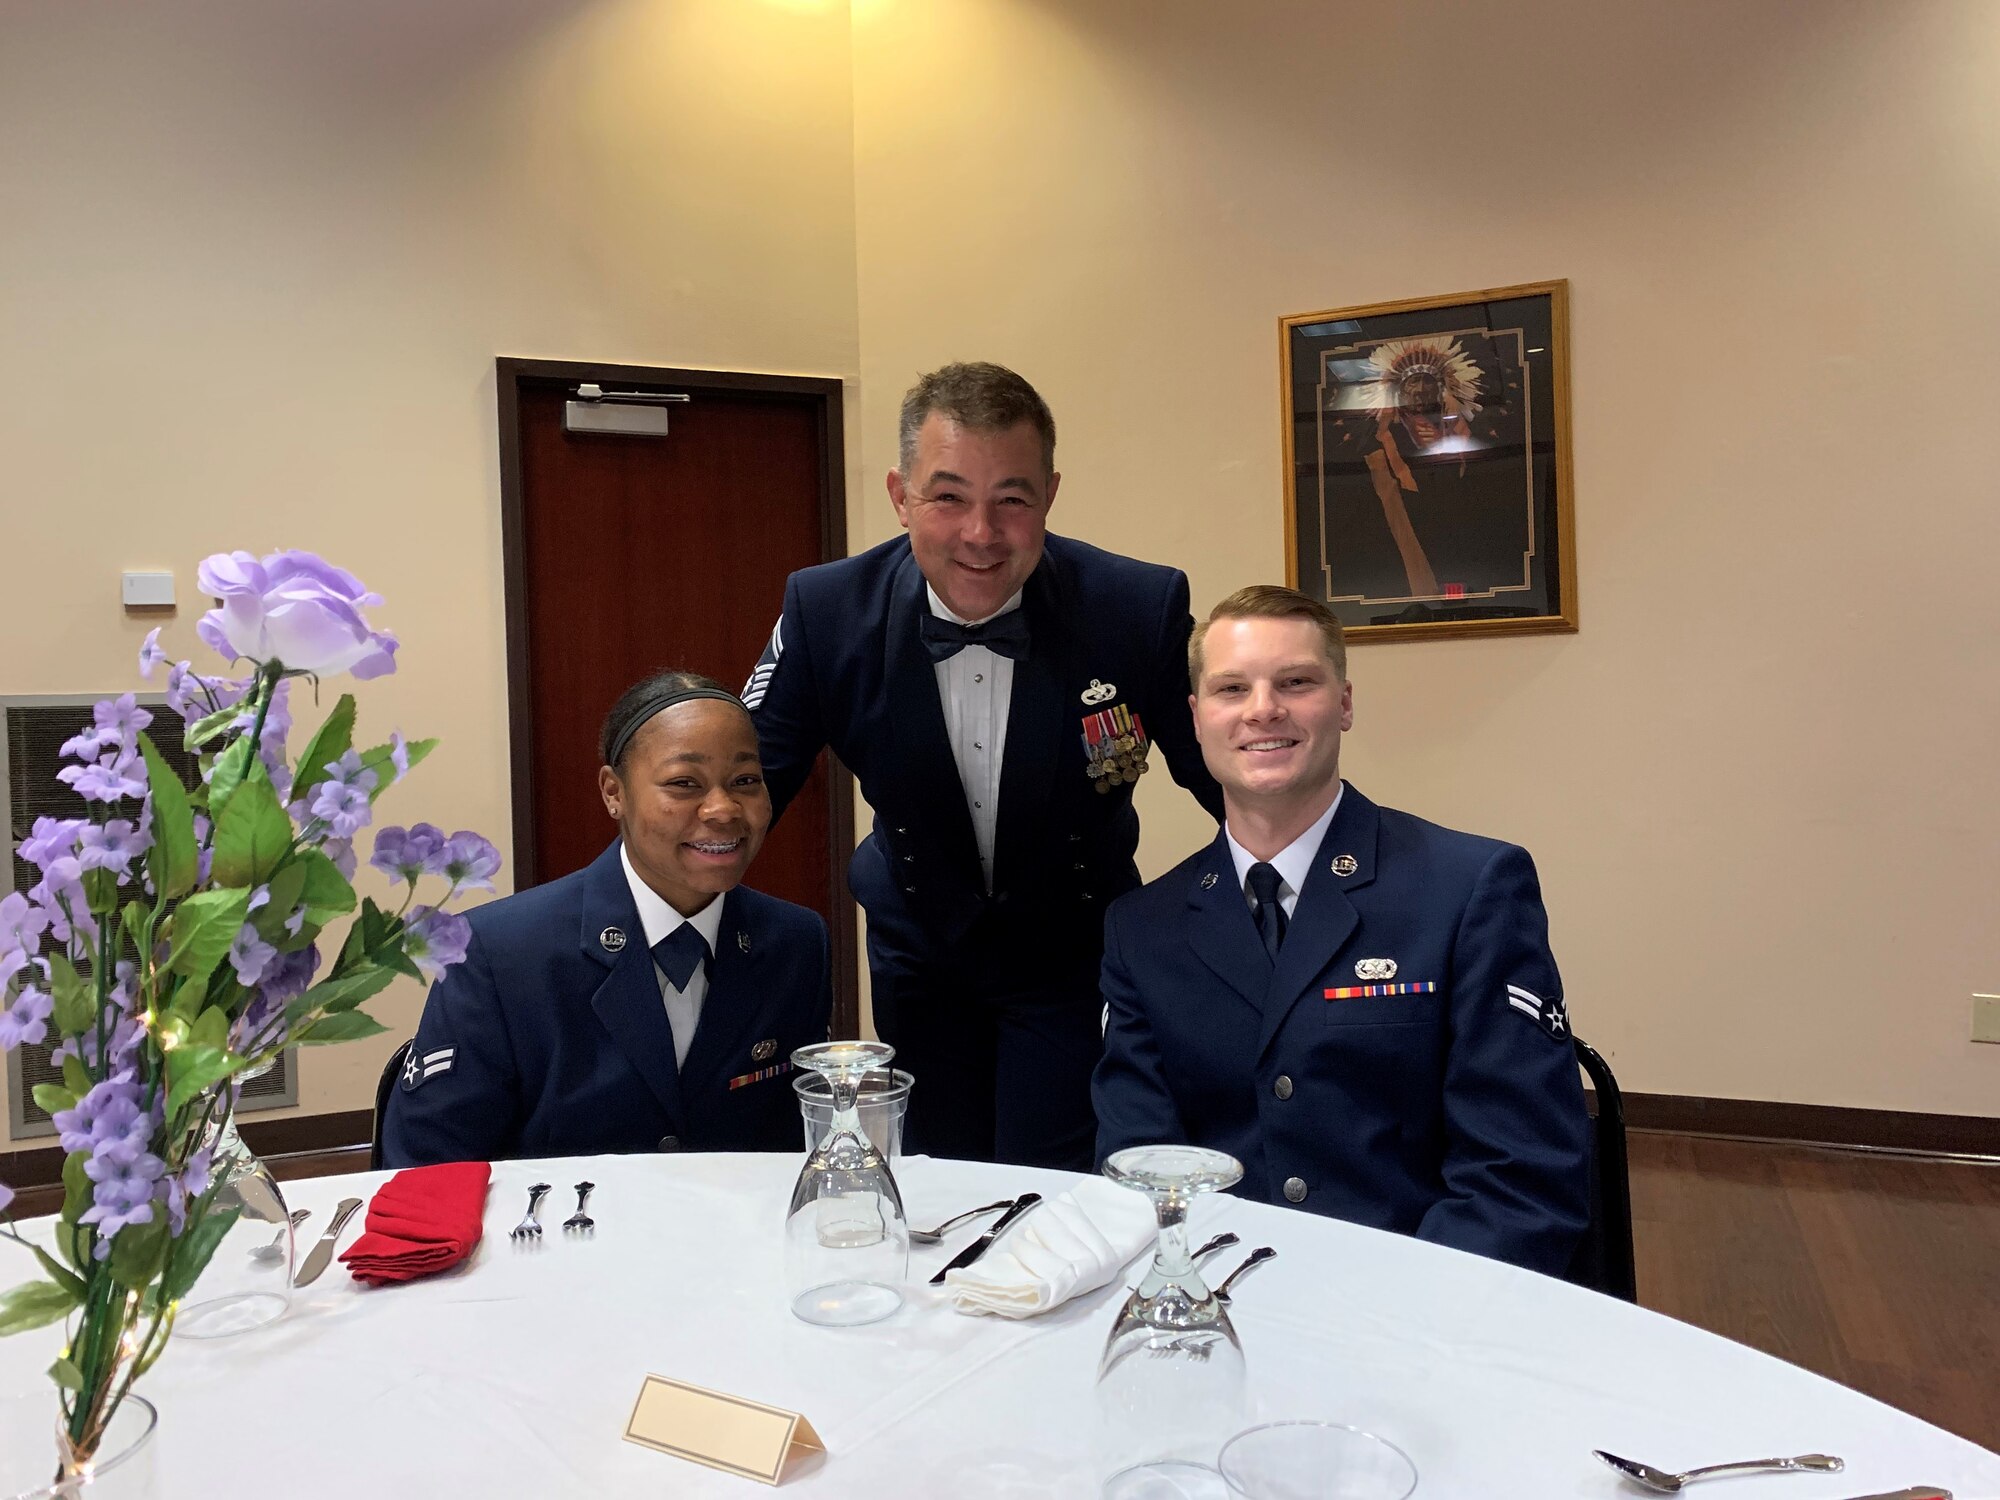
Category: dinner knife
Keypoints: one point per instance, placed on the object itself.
(316, 1262)
(1914, 1492)
(984, 1243)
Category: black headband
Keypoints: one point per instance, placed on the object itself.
(658, 702)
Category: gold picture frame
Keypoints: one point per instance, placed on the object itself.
(1427, 463)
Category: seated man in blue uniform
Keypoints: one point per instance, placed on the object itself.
(648, 1001)
(1358, 1005)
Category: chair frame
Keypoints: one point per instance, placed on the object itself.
(1613, 1225)
(391, 1071)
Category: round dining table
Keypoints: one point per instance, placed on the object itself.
(515, 1373)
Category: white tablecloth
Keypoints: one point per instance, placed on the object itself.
(515, 1374)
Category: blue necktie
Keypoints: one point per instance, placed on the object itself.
(1005, 634)
(1263, 884)
(680, 953)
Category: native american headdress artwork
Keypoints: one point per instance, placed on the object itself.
(1431, 377)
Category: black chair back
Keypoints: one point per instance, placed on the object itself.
(391, 1071)
(1603, 1260)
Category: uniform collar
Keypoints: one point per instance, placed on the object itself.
(660, 919)
(943, 611)
(1293, 862)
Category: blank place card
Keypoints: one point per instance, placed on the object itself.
(739, 1437)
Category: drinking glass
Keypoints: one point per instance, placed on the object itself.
(1171, 1384)
(1315, 1461)
(847, 1243)
(881, 1105)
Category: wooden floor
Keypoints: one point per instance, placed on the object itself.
(1879, 1271)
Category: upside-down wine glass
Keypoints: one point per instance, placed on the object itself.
(1171, 1384)
(847, 1243)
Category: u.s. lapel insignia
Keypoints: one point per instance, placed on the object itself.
(1208, 881)
(1099, 692)
(743, 941)
(763, 1051)
(613, 939)
(1345, 865)
(1375, 968)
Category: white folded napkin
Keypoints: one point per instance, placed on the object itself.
(1072, 1244)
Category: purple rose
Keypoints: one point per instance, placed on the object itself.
(471, 861)
(406, 854)
(296, 609)
(437, 939)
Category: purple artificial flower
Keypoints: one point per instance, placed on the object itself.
(26, 1020)
(150, 654)
(471, 861)
(115, 776)
(341, 852)
(288, 978)
(51, 839)
(60, 895)
(6, 1197)
(406, 854)
(110, 846)
(106, 1119)
(12, 962)
(177, 1188)
(124, 1193)
(342, 800)
(125, 1037)
(399, 755)
(295, 609)
(115, 722)
(21, 925)
(436, 939)
(250, 955)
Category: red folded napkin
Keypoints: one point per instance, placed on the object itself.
(423, 1220)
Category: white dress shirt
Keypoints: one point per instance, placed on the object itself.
(976, 687)
(1293, 862)
(659, 919)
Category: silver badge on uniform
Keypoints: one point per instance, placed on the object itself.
(1099, 692)
(613, 939)
(763, 1051)
(1375, 968)
(1208, 881)
(1345, 864)
(743, 941)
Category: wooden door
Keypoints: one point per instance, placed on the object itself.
(626, 555)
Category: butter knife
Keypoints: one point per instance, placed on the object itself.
(984, 1243)
(1914, 1492)
(322, 1252)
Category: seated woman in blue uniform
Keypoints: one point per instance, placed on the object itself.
(648, 1002)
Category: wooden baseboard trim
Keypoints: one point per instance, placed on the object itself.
(1816, 1124)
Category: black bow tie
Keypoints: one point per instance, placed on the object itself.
(1006, 634)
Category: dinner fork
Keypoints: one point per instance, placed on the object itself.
(932, 1236)
(1256, 1258)
(580, 1222)
(276, 1249)
(530, 1228)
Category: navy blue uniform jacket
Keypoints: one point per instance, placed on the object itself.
(846, 667)
(559, 1041)
(1453, 1113)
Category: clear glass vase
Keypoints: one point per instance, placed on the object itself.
(247, 1283)
(31, 1448)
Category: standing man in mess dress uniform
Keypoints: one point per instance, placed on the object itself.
(998, 692)
(1358, 1005)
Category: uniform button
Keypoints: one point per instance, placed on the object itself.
(909, 890)
(978, 676)
(1076, 838)
(902, 830)
(909, 859)
(1295, 1189)
(977, 746)
(670, 1143)
(1077, 866)
(1283, 1087)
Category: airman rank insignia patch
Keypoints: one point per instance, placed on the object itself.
(760, 676)
(421, 1070)
(1551, 1015)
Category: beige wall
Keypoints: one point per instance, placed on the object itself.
(257, 260)
(1761, 783)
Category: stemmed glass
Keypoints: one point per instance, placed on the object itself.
(1171, 1384)
(847, 1243)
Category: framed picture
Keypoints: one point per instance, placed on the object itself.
(1427, 467)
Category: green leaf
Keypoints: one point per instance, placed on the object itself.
(77, 1190)
(75, 1009)
(68, 1280)
(378, 760)
(173, 859)
(205, 924)
(206, 728)
(334, 739)
(231, 767)
(138, 1251)
(211, 1028)
(32, 1304)
(76, 1077)
(100, 891)
(66, 1375)
(286, 887)
(253, 835)
(332, 996)
(192, 1253)
(53, 1097)
(326, 892)
(192, 1068)
(348, 1026)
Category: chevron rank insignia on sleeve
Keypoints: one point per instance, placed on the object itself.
(1550, 1015)
(418, 1071)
